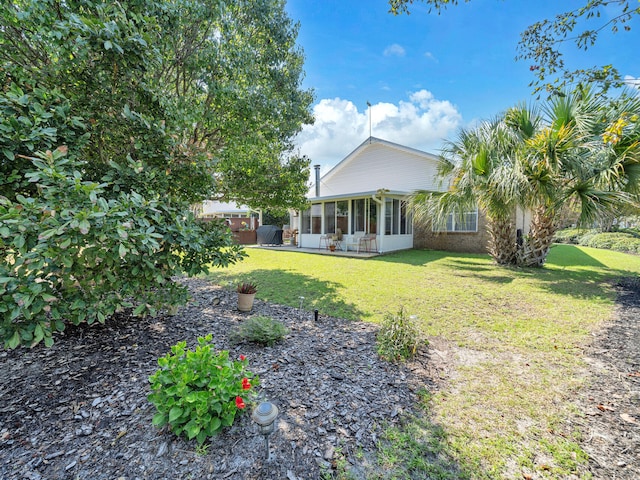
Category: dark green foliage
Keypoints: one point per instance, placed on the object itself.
(71, 254)
(132, 111)
(197, 393)
(260, 329)
(273, 217)
(32, 120)
(627, 241)
(399, 337)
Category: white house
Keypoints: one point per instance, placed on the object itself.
(216, 209)
(365, 196)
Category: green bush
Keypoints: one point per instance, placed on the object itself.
(197, 393)
(260, 329)
(572, 235)
(618, 241)
(399, 337)
(625, 240)
(73, 254)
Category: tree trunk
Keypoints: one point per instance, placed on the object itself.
(502, 241)
(535, 246)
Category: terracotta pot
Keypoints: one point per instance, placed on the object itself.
(245, 301)
(332, 248)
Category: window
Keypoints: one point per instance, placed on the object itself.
(330, 217)
(316, 218)
(406, 224)
(364, 216)
(305, 224)
(373, 217)
(465, 222)
(392, 216)
(342, 216)
(357, 218)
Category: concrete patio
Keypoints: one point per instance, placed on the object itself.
(317, 251)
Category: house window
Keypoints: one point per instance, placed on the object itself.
(330, 217)
(406, 224)
(316, 218)
(373, 217)
(364, 216)
(342, 216)
(305, 224)
(392, 216)
(358, 215)
(465, 222)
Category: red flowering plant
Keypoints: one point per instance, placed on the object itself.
(197, 393)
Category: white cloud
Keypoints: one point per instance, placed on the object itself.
(422, 122)
(394, 50)
(430, 56)
(632, 82)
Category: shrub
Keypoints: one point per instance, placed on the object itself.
(625, 240)
(260, 329)
(572, 235)
(74, 253)
(618, 241)
(399, 337)
(197, 393)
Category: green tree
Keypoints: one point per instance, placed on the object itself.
(481, 169)
(576, 151)
(543, 42)
(151, 104)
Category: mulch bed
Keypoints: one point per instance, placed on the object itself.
(611, 399)
(79, 410)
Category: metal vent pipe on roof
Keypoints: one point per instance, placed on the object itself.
(317, 167)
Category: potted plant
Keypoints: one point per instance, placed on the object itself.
(332, 244)
(246, 295)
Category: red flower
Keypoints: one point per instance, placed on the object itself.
(240, 403)
(242, 357)
(246, 385)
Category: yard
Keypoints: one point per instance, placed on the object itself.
(510, 343)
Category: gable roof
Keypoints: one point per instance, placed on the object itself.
(379, 164)
(215, 207)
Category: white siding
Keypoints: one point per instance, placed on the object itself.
(379, 165)
(212, 207)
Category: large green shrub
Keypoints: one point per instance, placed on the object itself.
(625, 240)
(156, 114)
(70, 254)
(572, 235)
(618, 241)
(197, 393)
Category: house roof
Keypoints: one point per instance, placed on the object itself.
(388, 193)
(379, 164)
(215, 207)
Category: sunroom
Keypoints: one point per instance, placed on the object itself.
(367, 221)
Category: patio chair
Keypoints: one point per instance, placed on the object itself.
(324, 241)
(337, 238)
(354, 241)
(367, 241)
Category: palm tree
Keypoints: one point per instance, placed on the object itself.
(480, 167)
(579, 152)
(564, 165)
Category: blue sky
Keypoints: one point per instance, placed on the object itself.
(426, 75)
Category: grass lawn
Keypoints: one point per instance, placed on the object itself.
(517, 335)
